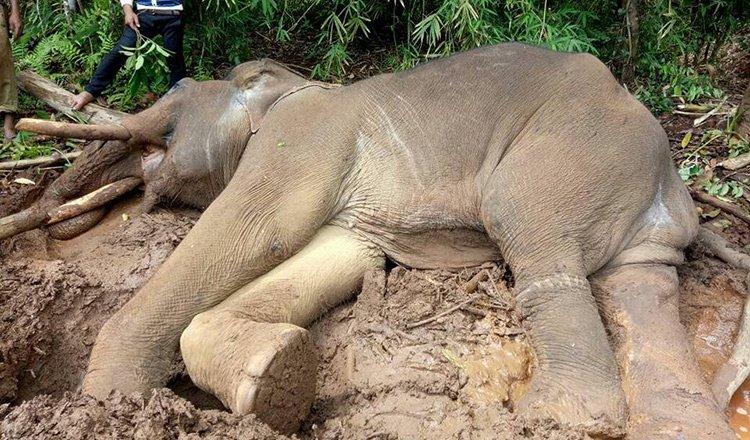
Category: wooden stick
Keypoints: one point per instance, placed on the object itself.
(723, 249)
(41, 161)
(59, 99)
(79, 131)
(724, 206)
(443, 313)
(732, 374)
(93, 199)
(33, 218)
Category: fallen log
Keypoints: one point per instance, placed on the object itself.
(41, 161)
(59, 99)
(724, 206)
(33, 218)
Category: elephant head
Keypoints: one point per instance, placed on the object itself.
(185, 147)
(192, 139)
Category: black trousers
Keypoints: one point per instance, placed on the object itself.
(168, 26)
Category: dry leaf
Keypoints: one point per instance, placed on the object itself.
(24, 181)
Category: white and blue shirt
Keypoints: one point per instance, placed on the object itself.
(163, 5)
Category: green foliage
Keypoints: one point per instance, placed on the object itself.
(677, 38)
(724, 189)
(25, 146)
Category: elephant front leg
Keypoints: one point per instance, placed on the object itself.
(575, 380)
(231, 245)
(251, 350)
(667, 397)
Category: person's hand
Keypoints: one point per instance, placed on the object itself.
(131, 18)
(15, 23)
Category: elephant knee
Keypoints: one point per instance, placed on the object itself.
(193, 338)
(195, 332)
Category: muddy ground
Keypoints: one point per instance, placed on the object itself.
(385, 373)
(381, 376)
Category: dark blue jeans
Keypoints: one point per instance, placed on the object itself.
(168, 26)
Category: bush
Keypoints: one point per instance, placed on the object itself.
(676, 37)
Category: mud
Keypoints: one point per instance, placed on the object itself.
(381, 374)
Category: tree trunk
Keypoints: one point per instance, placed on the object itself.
(59, 99)
(743, 129)
(632, 8)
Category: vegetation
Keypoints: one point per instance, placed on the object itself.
(663, 50)
(675, 38)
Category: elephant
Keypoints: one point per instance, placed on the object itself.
(505, 151)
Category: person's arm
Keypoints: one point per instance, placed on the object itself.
(14, 20)
(131, 18)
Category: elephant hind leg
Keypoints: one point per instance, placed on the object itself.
(667, 397)
(252, 351)
(575, 380)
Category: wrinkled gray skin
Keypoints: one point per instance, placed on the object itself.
(508, 150)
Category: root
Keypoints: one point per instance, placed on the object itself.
(724, 206)
(723, 249)
(732, 374)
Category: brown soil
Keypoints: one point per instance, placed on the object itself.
(454, 377)
(380, 377)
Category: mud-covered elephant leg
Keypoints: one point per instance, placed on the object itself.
(575, 379)
(225, 250)
(667, 397)
(256, 223)
(252, 351)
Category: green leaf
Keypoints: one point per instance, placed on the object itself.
(139, 62)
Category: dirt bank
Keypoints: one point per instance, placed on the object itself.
(385, 372)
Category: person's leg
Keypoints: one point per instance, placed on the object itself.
(173, 36)
(113, 62)
(8, 86)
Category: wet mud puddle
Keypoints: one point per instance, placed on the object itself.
(498, 373)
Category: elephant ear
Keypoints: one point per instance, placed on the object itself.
(260, 84)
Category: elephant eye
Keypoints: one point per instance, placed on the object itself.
(167, 138)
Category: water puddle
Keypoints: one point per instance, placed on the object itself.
(497, 373)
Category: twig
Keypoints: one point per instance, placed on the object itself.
(473, 283)
(46, 160)
(724, 206)
(441, 314)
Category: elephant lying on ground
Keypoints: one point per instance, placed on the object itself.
(510, 150)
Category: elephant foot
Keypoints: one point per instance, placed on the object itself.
(265, 369)
(596, 408)
(677, 414)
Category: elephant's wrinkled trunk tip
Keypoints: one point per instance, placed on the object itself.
(76, 131)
